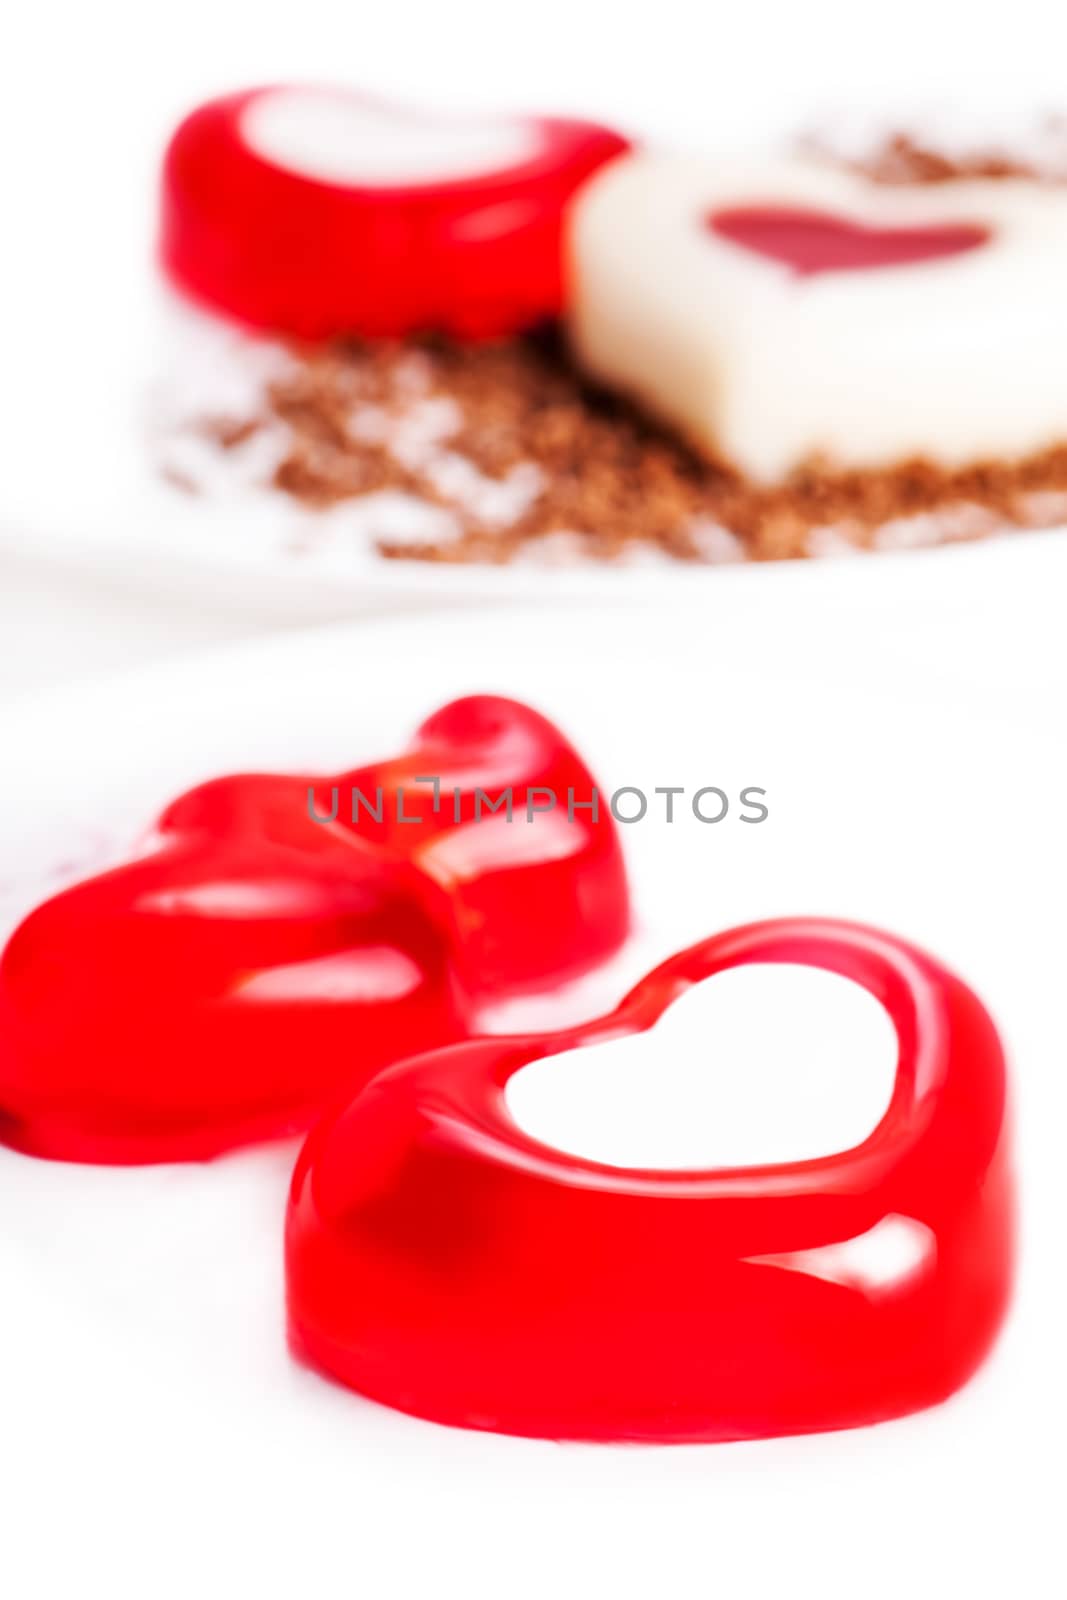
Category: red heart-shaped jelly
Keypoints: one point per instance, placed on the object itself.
(308, 251)
(441, 1260)
(810, 242)
(252, 960)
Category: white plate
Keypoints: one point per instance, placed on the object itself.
(153, 1421)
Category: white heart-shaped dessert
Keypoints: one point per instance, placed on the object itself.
(341, 138)
(758, 1064)
(783, 312)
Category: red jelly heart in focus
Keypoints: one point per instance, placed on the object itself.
(811, 242)
(318, 212)
(442, 1261)
(252, 961)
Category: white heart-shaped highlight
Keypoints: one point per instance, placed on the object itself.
(761, 1063)
(339, 138)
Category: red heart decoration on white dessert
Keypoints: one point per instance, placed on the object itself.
(811, 242)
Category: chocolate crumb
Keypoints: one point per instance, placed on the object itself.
(904, 158)
(229, 432)
(521, 451)
(178, 479)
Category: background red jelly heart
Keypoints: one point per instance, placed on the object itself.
(475, 256)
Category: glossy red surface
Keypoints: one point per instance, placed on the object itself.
(251, 962)
(445, 1263)
(811, 242)
(473, 256)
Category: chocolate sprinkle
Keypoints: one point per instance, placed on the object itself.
(610, 482)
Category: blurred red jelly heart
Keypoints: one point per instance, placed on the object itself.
(252, 960)
(318, 212)
(810, 242)
(442, 1261)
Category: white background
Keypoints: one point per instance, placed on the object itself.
(155, 1439)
